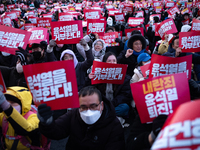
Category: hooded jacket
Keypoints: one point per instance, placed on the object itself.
(105, 134)
(101, 53)
(18, 125)
(80, 67)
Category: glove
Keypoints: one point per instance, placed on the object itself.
(92, 36)
(52, 43)
(84, 44)
(158, 123)
(22, 54)
(45, 115)
(2, 98)
(3, 102)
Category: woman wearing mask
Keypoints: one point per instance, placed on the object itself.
(119, 95)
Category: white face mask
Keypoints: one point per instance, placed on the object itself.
(90, 116)
(18, 108)
(5, 54)
(19, 68)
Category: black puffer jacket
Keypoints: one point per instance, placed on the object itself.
(105, 134)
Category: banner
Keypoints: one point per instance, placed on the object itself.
(139, 14)
(157, 3)
(33, 19)
(158, 9)
(92, 14)
(172, 11)
(2, 84)
(128, 8)
(53, 83)
(145, 70)
(108, 73)
(28, 26)
(160, 95)
(38, 35)
(135, 21)
(119, 17)
(168, 26)
(12, 38)
(169, 4)
(128, 31)
(189, 41)
(11, 6)
(195, 25)
(164, 65)
(65, 17)
(181, 129)
(96, 26)
(109, 38)
(112, 12)
(12, 15)
(44, 22)
(67, 32)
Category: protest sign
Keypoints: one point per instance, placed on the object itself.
(96, 26)
(92, 14)
(108, 73)
(112, 12)
(132, 21)
(181, 129)
(11, 6)
(7, 21)
(172, 11)
(164, 65)
(169, 4)
(128, 31)
(12, 15)
(154, 28)
(157, 3)
(53, 83)
(158, 9)
(128, 8)
(189, 41)
(28, 26)
(168, 26)
(33, 19)
(65, 17)
(160, 95)
(145, 70)
(37, 35)
(44, 22)
(67, 32)
(195, 25)
(109, 38)
(12, 38)
(119, 17)
(139, 14)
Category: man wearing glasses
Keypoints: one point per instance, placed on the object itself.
(93, 126)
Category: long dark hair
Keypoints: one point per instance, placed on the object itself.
(105, 57)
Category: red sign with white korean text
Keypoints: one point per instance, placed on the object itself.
(186, 22)
(108, 73)
(169, 4)
(92, 14)
(168, 26)
(1, 8)
(11, 6)
(109, 38)
(12, 15)
(47, 15)
(53, 83)
(157, 3)
(96, 26)
(158, 9)
(2, 84)
(160, 95)
(38, 35)
(12, 38)
(119, 17)
(128, 31)
(44, 22)
(33, 19)
(112, 12)
(7, 21)
(195, 25)
(172, 11)
(181, 129)
(135, 21)
(145, 70)
(139, 14)
(67, 32)
(189, 41)
(128, 8)
(28, 26)
(154, 27)
(164, 65)
(65, 17)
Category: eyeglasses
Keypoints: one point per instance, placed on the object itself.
(99, 44)
(91, 107)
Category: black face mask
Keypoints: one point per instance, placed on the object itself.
(36, 55)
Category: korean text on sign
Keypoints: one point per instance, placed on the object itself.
(96, 27)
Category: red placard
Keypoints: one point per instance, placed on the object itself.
(128, 31)
(33, 19)
(139, 14)
(158, 9)
(96, 26)
(195, 25)
(112, 12)
(42, 6)
(17, 11)
(65, 17)
(92, 14)
(28, 26)
(12, 15)
(67, 32)
(119, 17)
(2, 84)
(12, 38)
(109, 38)
(169, 4)
(154, 27)
(164, 65)
(44, 22)
(38, 35)
(189, 41)
(1, 8)
(7, 21)
(160, 95)
(53, 83)
(11, 6)
(108, 73)
(47, 15)
(145, 70)
(180, 131)
(157, 3)
(40, 10)
(168, 26)
(172, 11)
(135, 21)
(128, 8)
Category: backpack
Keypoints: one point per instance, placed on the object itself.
(45, 143)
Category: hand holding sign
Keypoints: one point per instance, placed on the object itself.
(129, 52)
